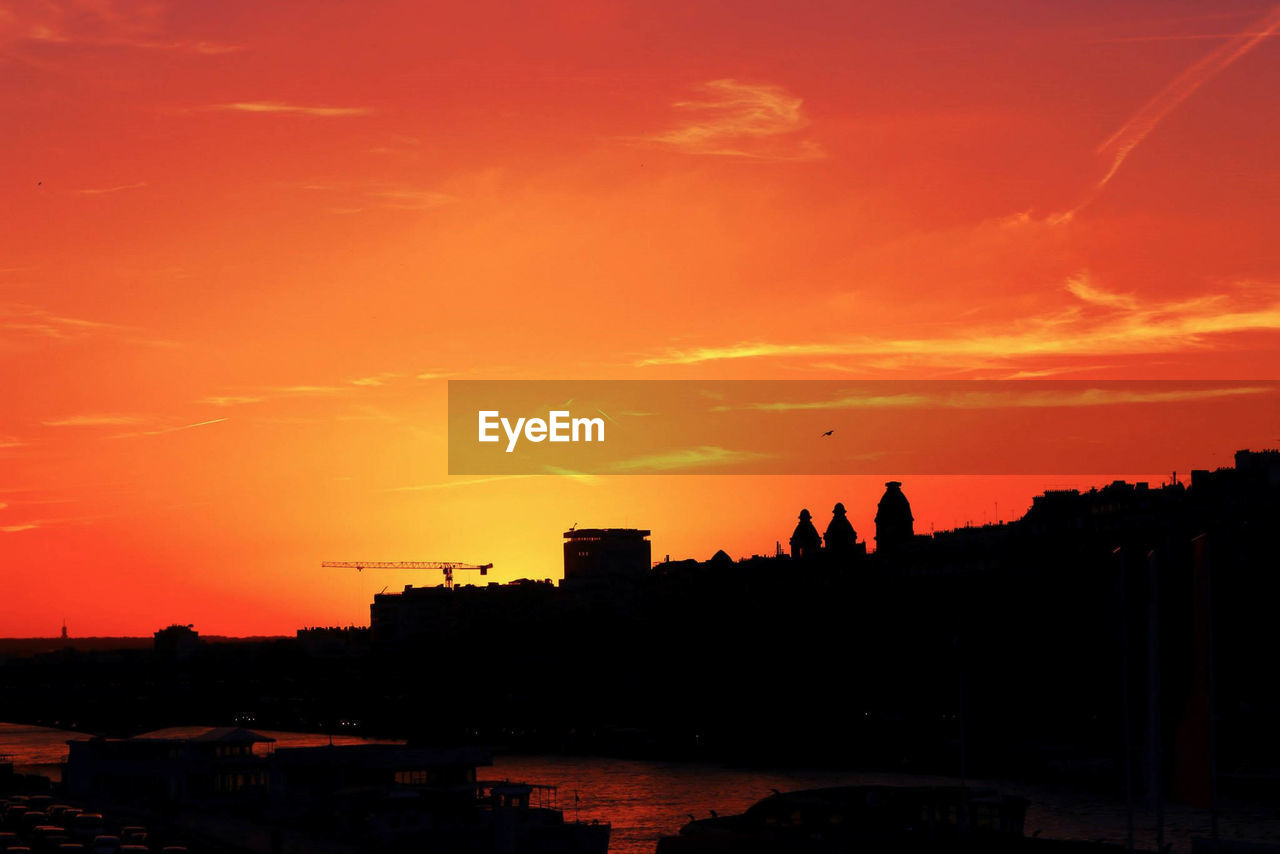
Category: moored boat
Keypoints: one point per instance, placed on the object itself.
(841, 820)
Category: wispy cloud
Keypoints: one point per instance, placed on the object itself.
(454, 483)
(1103, 323)
(36, 524)
(102, 191)
(11, 442)
(243, 396)
(278, 107)
(742, 120)
(29, 321)
(703, 456)
(204, 48)
(1117, 147)
(93, 420)
(374, 380)
(230, 400)
(1041, 373)
(1024, 219)
(49, 35)
(380, 194)
(413, 200)
(310, 389)
(851, 401)
(1008, 399)
(577, 476)
(1084, 289)
(136, 26)
(32, 320)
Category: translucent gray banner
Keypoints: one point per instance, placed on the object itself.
(879, 427)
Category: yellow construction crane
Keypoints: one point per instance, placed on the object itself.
(447, 567)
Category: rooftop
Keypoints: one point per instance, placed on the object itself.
(603, 533)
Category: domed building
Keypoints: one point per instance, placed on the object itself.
(840, 537)
(805, 541)
(895, 526)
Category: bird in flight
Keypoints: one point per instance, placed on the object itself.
(828, 433)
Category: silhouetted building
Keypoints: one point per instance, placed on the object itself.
(1031, 613)
(895, 526)
(401, 616)
(1263, 466)
(1252, 483)
(606, 554)
(840, 537)
(177, 641)
(805, 541)
(334, 640)
(425, 613)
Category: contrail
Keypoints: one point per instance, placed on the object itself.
(183, 427)
(1118, 146)
(164, 430)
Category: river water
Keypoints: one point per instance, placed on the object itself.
(645, 800)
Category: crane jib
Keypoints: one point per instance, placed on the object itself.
(446, 567)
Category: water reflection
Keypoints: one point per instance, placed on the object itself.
(645, 800)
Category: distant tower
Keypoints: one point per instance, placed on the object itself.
(805, 542)
(64, 629)
(840, 536)
(894, 522)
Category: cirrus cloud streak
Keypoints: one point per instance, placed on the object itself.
(736, 119)
(1103, 323)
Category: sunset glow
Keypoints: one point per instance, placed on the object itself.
(245, 246)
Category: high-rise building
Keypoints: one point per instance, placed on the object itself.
(605, 554)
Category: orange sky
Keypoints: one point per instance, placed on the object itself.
(244, 246)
